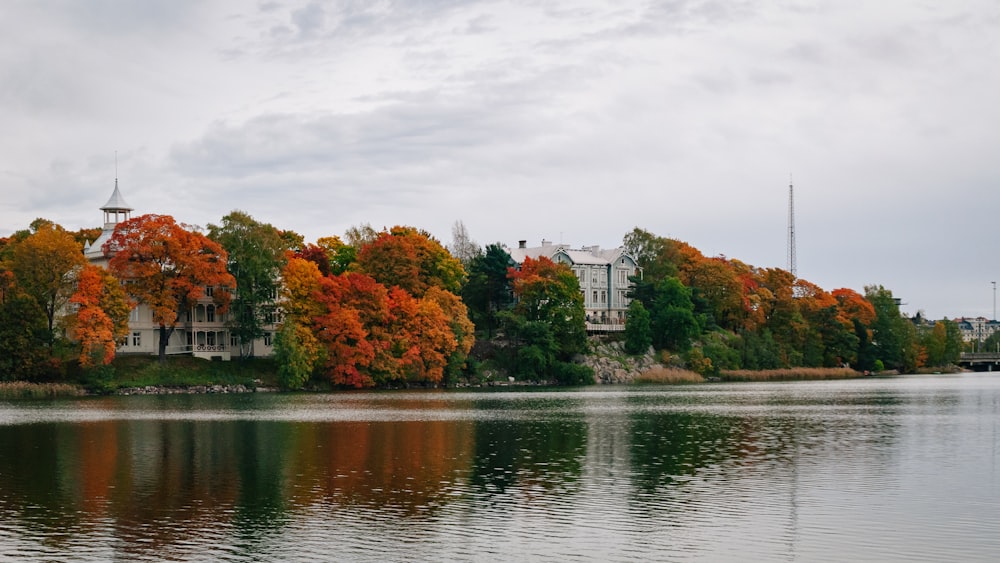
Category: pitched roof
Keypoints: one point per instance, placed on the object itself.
(117, 202)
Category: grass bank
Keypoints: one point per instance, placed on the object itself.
(789, 374)
(26, 390)
(185, 371)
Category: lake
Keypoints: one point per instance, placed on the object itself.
(876, 469)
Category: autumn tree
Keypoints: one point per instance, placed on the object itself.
(716, 283)
(549, 292)
(457, 316)
(317, 255)
(255, 255)
(100, 321)
(855, 310)
(297, 351)
(167, 267)
(45, 265)
(349, 349)
(339, 254)
(412, 260)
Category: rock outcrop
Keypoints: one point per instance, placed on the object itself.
(612, 365)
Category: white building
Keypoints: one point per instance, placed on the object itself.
(200, 331)
(976, 329)
(603, 276)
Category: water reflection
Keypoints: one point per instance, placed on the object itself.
(728, 472)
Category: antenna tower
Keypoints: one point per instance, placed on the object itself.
(791, 228)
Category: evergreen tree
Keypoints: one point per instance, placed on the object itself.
(638, 335)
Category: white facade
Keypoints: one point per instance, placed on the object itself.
(976, 329)
(200, 332)
(603, 276)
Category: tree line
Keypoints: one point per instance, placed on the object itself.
(397, 307)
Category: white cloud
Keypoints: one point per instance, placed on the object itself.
(564, 120)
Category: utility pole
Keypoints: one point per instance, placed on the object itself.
(994, 300)
(791, 228)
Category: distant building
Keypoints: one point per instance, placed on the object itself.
(201, 331)
(603, 276)
(976, 329)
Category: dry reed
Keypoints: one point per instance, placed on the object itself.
(788, 374)
(27, 390)
(661, 374)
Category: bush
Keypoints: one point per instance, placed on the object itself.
(99, 379)
(572, 374)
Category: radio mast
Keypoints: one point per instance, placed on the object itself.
(791, 228)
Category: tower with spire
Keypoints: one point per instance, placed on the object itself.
(115, 211)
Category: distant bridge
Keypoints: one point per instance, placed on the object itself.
(980, 361)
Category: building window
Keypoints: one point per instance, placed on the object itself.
(210, 339)
(594, 300)
(604, 297)
(210, 313)
(267, 339)
(208, 291)
(133, 315)
(233, 341)
(136, 339)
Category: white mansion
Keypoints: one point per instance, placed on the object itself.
(200, 331)
(603, 275)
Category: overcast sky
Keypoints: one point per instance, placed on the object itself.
(572, 121)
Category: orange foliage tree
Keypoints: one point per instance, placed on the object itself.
(411, 259)
(348, 352)
(101, 318)
(167, 267)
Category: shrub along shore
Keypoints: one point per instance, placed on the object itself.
(132, 375)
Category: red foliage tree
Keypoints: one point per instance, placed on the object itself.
(167, 267)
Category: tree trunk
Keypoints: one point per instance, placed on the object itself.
(164, 339)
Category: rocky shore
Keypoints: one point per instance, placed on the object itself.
(192, 390)
(612, 365)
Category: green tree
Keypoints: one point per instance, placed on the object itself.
(256, 255)
(654, 254)
(23, 334)
(892, 333)
(953, 342)
(487, 290)
(638, 334)
(671, 312)
(297, 353)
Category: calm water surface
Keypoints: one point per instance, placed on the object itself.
(901, 469)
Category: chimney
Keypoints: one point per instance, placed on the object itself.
(522, 244)
(546, 242)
